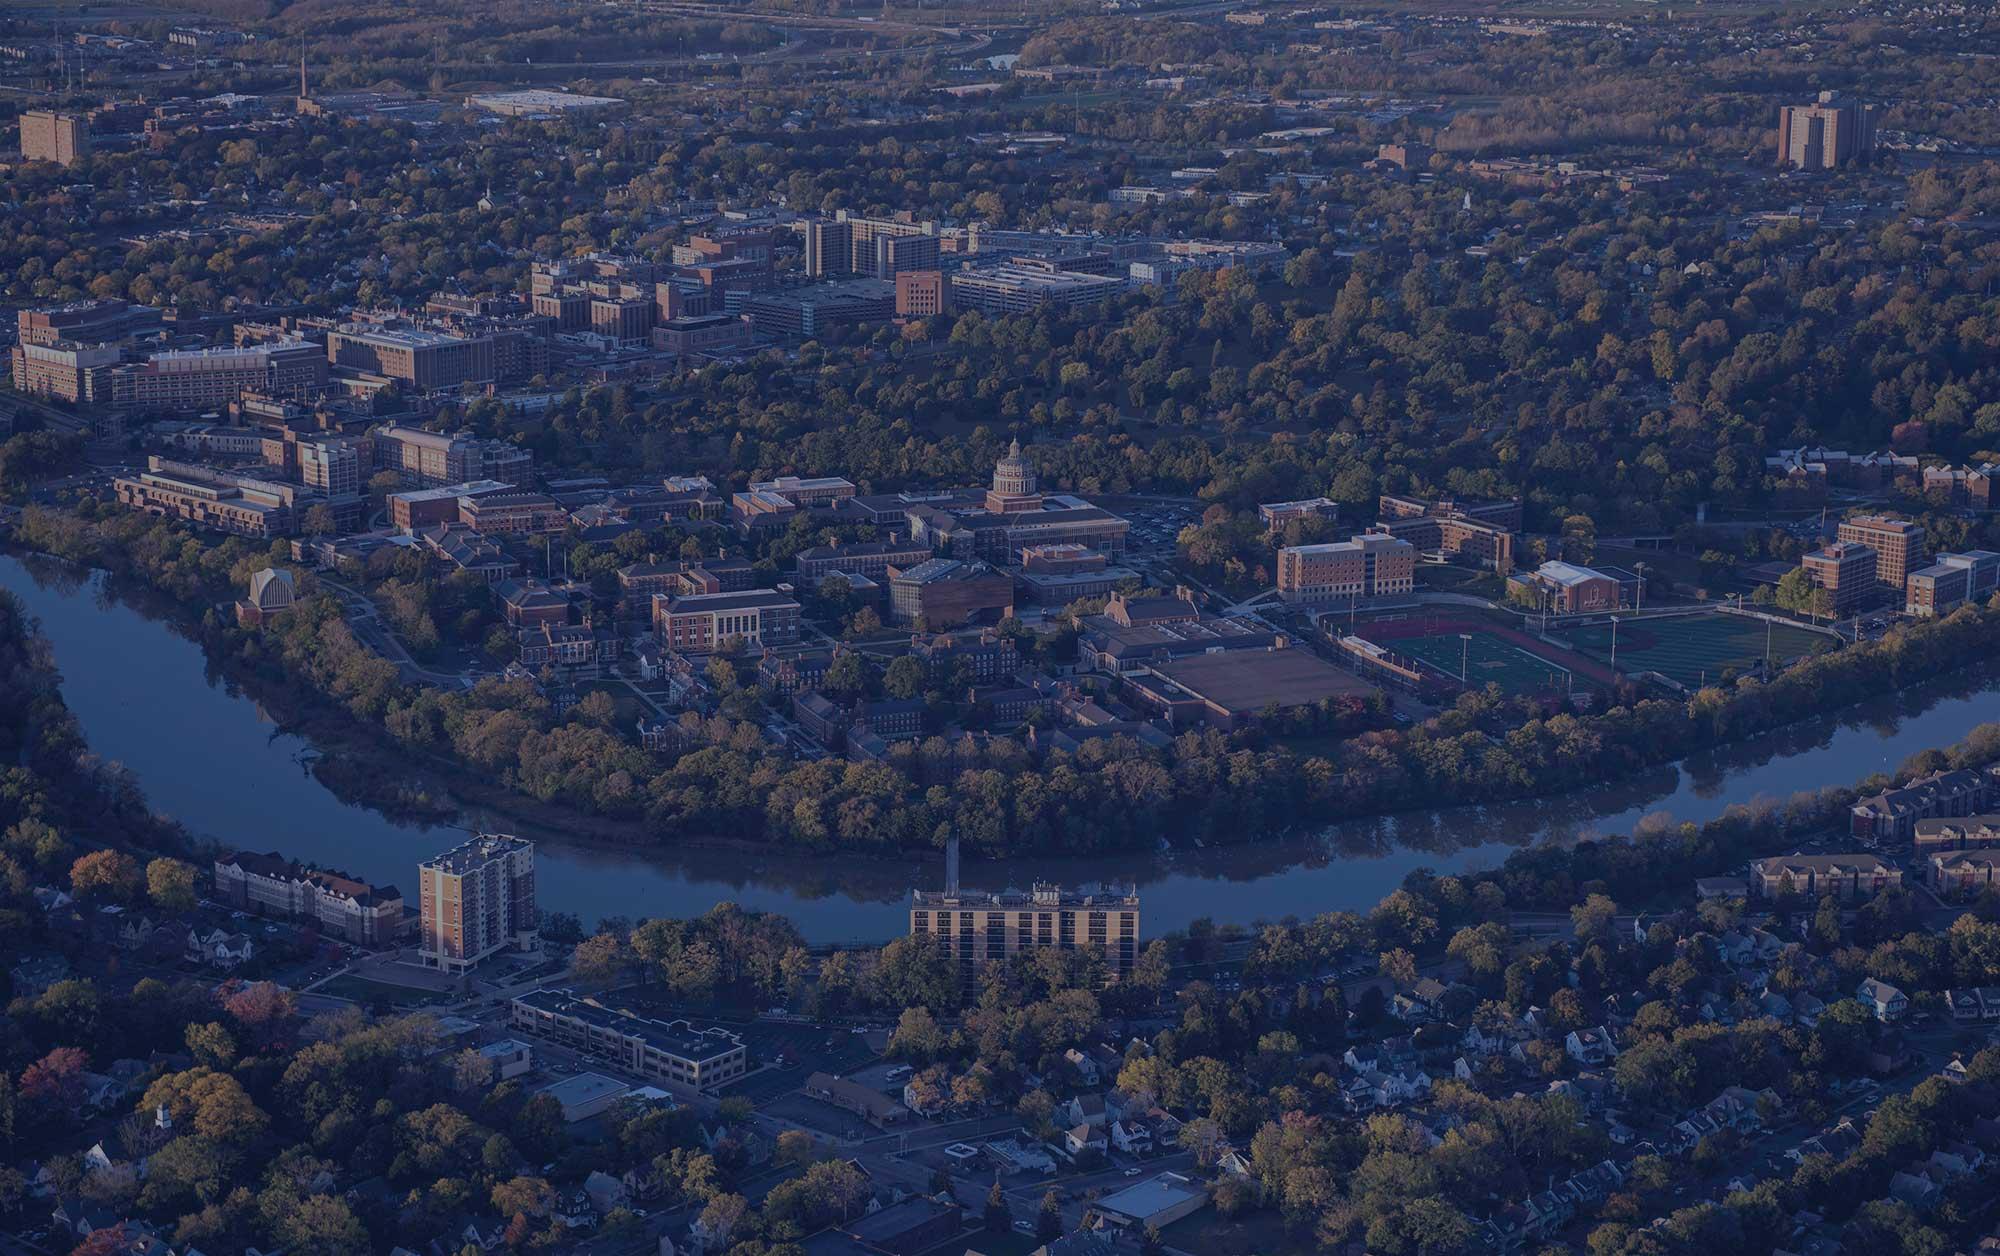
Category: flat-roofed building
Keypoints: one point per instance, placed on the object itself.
(422, 508)
(72, 372)
(675, 1051)
(805, 491)
(1833, 131)
(1275, 515)
(1898, 545)
(942, 593)
(1344, 571)
(819, 308)
(978, 928)
(1234, 689)
(1846, 571)
(186, 380)
(1500, 512)
(512, 514)
(866, 558)
(423, 358)
(922, 293)
(1153, 1204)
(94, 322)
(1022, 287)
(704, 623)
(541, 102)
(706, 333)
(1845, 877)
(54, 135)
(1950, 582)
(220, 500)
(477, 900)
(436, 458)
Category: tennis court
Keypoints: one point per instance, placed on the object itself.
(1694, 649)
(1487, 659)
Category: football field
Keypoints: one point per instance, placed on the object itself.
(1695, 649)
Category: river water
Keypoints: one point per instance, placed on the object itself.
(210, 757)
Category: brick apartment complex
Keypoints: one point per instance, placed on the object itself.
(985, 658)
(676, 1052)
(1892, 816)
(1970, 832)
(1846, 570)
(702, 623)
(49, 135)
(476, 900)
(338, 905)
(1951, 581)
(1898, 545)
(1848, 878)
(1343, 571)
(980, 928)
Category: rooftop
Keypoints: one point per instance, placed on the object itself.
(677, 1038)
(481, 850)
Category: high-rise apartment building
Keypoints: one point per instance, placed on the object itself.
(477, 900)
(46, 135)
(1898, 545)
(1830, 133)
(878, 248)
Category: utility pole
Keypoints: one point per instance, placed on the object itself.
(1642, 586)
(1614, 649)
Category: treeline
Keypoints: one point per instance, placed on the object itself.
(996, 795)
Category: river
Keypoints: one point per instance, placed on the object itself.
(208, 755)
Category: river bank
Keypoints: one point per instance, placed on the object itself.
(182, 725)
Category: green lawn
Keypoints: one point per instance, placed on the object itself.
(1259, 1233)
(1696, 648)
(366, 992)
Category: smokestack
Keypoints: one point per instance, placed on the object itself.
(951, 865)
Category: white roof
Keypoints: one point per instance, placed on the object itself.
(1568, 573)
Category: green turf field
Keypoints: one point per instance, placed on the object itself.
(1694, 648)
(1488, 659)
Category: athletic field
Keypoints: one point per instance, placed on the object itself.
(1487, 658)
(1693, 649)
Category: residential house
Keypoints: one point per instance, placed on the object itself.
(1590, 1047)
(1079, 1139)
(1887, 1002)
(219, 948)
(1131, 1137)
(1086, 1109)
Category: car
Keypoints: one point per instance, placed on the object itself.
(1131, 1173)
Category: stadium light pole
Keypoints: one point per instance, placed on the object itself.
(1464, 654)
(1614, 649)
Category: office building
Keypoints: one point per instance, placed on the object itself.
(424, 359)
(192, 380)
(978, 928)
(49, 135)
(1025, 285)
(477, 900)
(943, 593)
(707, 333)
(72, 372)
(449, 457)
(1057, 575)
(704, 623)
(673, 1051)
(824, 490)
(859, 558)
(1345, 571)
(339, 906)
(1898, 545)
(1833, 131)
(1275, 515)
(418, 509)
(922, 293)
(1951, 581)
(1500, 512)
(1846, 570)
(877, 248)
(86, 322)
(333, 466)
(511, 514)
(820, 308)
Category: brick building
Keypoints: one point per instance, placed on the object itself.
(1367, 566)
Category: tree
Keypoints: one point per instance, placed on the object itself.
(1048, 1218)
(719, 1218)
(599, 957)
(211, 1044)
(106, 874)
(998, 1218)
(321, 1225)
(918, 1036)
(904, 677)
(523, 1196)
(170, 884)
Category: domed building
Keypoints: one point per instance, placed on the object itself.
(1013, 484)
(273, 592)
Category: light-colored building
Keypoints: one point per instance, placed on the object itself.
(338, 905)
(1367, 566)
(1848, 878)
(423, 358)
(1831, 132)
(476, 900)
(1950, 582)
(51, 135)
(540, 102)
(676, 1051)
(978, 928)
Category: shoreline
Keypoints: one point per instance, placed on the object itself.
(339, 737)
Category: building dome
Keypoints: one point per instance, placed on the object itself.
(1013, 475)
(272, 589)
